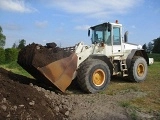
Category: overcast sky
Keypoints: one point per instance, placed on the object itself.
(66, 21)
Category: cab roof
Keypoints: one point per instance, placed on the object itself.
(106, 24)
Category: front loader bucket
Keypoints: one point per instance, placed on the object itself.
(49, 64)
(60, 72)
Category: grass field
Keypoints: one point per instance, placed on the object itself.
(14, 67)
(150, 102)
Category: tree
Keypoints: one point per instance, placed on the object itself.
(156, 48)
(150, 47)
(2, 55)
(14, 45)
(2, 38)
(22, 43)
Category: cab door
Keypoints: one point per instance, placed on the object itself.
(116, 40)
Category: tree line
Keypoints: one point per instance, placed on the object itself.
(9, 54)
(20, 45)
(152, 47)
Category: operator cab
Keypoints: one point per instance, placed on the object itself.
(108, 34)
(101, 34)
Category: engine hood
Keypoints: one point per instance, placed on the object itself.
(130, 46)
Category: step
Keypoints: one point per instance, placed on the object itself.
(124, 69)
(125, 75)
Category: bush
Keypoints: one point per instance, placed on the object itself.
(11, 54)
(2, 55)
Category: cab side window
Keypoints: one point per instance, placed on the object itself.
(116, 36)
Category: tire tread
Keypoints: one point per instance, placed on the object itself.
(83, 74)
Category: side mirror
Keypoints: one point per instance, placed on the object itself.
(126, 36)
(88, 32)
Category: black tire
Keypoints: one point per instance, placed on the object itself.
(138, 70)
(93, 75)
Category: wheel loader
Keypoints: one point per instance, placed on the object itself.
(92, 65)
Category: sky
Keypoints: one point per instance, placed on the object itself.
(66, 22)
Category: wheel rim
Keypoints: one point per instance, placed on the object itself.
(140, 69)
(98, 77)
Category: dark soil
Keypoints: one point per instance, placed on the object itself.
(38, 56)
(34, 56)
(20, 101)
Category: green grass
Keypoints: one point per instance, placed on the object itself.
(151, 87)
(14, 67)
(155, 56)
(130, 109)
(133, 115)
(125, 104)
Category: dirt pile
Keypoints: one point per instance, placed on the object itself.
(20, 101)
(38, 56)
(34, 55)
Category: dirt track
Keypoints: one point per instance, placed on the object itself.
(24, 98)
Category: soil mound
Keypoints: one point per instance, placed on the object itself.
(38, 56)
(34, 55)
(21, 101)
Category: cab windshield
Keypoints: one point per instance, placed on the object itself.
(101, 34)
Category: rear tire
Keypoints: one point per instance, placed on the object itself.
(93, 75)
(138, 69)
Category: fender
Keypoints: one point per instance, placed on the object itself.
(136, 52)
(103, 58)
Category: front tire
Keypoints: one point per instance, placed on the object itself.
(138, 70)
(93, 75)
